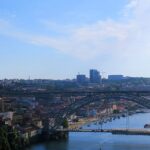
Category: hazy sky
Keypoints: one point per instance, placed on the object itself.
(59, 38)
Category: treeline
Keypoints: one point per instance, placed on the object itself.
(10, 139)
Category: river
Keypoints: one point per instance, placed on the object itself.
(104, 141)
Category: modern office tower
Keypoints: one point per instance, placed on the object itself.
(81, 78)
(95, 76)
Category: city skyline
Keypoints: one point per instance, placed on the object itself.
(87, 75)
(56, 39)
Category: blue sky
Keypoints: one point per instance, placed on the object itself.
(56, 39)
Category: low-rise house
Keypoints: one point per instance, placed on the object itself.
(30, 132)
(38, 123)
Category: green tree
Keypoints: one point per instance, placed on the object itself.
(9, 138)
(65, 123)
(116, 111)
(4, 143)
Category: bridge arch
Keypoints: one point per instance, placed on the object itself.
(71, 109)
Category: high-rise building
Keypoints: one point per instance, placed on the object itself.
(95, 76)
(81, 78)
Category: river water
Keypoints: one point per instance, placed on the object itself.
(104, 141)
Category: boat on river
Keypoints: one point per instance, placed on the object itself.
(88, 125)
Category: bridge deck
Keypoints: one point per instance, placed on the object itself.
(113, 131)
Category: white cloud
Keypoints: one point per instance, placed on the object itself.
(126, 38)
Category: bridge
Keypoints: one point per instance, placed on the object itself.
(104, 99)
(137, 96)
(113, 131)
(47, 94)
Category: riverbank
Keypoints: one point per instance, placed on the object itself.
(108, 141)
(82, 122)
(104, 118)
